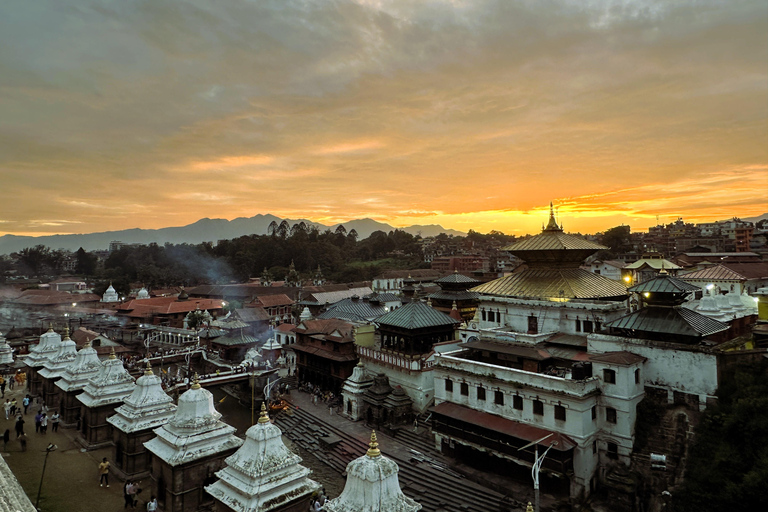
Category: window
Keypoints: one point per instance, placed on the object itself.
(481, 393)
(498, 398)
(484, 316)
(578, 325)
(594, 446)
(491, 316)
(637, 376)
(613, 451)
(449, 385)
(538, 407)
(587, 325)
(517, 402)
(609, 376)
(610, 415)
(597, 326)
(594, 412)
(560, 412)
(533, 325)
(464, 389)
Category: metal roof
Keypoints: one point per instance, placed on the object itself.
(551, 240)
(666, 320)
(656, 264)
(454, 295)
(456, 278)
(238, 338)
(415, 315)
(357, 308)
(574, 283)
(664, 283)
(715, 273)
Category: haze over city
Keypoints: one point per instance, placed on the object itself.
(468, 114)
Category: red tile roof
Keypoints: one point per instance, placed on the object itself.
(269, 301)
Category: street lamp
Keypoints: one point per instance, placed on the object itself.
(50, 448)
(537, 462)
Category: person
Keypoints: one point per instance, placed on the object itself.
(38, 419)
(2, 385)
(44, 424)
(152, 504)
(315, 506)
(55, 421)
(25, 403)
(19, 426)
(104, 472)
(6, 438)
(7, 407)
(127, 498)
(23, 441)
(415, 424)
(11, 382)
(14, 407)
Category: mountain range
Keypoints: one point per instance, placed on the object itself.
(204, 230)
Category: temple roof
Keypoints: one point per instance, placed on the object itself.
(263, 474)
(85, 365)
(664, 283)
(148, 406)
(715, 273)
(669, 320)
(547, 283)
(112, 384)
(56, 365)
(415, 315)
(47, 348)
(456, 278)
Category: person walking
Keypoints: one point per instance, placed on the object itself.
(104, 472)
(11, 382)
(133, 491)
(7, 407)
(152, 504)
(55, 421)
(38, 419)
(2, 386)
(14, 408)
(6, 438)
(25, 403)
(19, 426)
(44, 424)
(23, 441)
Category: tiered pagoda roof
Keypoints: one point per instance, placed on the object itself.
(85, 365)
(195, 431)
(263, 474)
(147, 407)
(112, 384)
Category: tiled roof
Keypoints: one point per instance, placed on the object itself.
(553, 241)
(50, 298)
(728, 273)
(456, 278)
(384, 297)
(362, 309)
(235, 338)
(664, 283)
(575, 283)
(252, 315)
(326, 326)
(167, 306)
(286, 328)
(415, 315)
(656, 264)
(623, 358)
(454, 295)
(675, 321)
(274, 300)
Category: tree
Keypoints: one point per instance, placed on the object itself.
(617, 239)
(272, 229)
(86, 263)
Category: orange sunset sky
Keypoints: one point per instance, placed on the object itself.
(469, 114)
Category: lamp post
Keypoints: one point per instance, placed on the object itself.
(48, 450)
(537, 462)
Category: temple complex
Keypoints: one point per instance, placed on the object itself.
(263, 475)
(100, 397)
(372, 486)
(53, 369)
(352, 392)
(187, 452)
(47, 348)
(134, 422)
(455, 294)
(73, 379)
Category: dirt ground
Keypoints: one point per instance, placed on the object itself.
(71, 481)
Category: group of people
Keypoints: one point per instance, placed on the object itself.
(131, 489)
(318, 501)
(10, 382)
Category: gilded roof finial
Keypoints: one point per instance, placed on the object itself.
(196, 382)
(112, 353)
(552, 224)
(373, 450)
(148, 371)
(529, 508)
(50, 327)
(66, 332)
(263, 416)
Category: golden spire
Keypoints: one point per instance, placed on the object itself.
(454, 306)
(66, 332)
(196, 382)
(529, 508)
(50, 327)
(373, 450)
(112, 353)
(148, 371)
(552, 224)
(263, 416)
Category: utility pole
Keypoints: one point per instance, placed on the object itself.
(48, 450)
(537, 462)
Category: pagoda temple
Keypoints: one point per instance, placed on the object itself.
(134, 422)
(454, 294)
(73, 379)
(263, 475)
(53, 369)
(47, 348)
(100, 397)
(372, 486)
(187, 452)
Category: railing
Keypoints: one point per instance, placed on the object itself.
(417, 363)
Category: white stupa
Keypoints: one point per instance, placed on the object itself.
(110, 295)
(45, 349)
(56, 365)
(195, 431)
(6, 352)
(112, 384)
(85, 365)
(143, 294)
(305, 314)
(147, 407)
(372, 486)
(263, 474)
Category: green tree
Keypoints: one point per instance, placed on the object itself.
(86, 263)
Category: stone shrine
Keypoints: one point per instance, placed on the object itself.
(188, 450)
(100, 397)
(38, 355)
(73, 380)
(352, 392)
(6, 353)
(263, 475)
(134, 422)
(54, 368)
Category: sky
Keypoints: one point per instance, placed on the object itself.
(471, 114)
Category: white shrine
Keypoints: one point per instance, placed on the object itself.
(264, 475)
(353, 390)
(39, 354)
(148, 408)
(73, 379)
(110, 295)
(53, 369)
(6, 353)
(372, 486)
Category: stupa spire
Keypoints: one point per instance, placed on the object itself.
(373, 446)
(263, 416)
(552, 224)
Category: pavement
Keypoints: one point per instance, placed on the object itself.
(71, 479)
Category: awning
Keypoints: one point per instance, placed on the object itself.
(512, 428)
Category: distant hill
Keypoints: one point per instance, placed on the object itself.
(204, 230)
